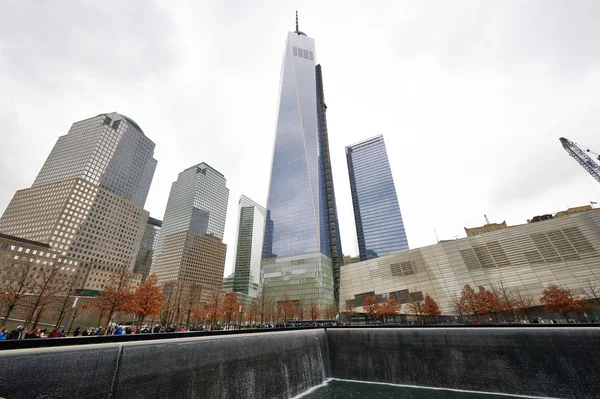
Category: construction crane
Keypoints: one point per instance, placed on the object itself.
(580, 153)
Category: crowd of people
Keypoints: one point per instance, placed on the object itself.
(21, 333)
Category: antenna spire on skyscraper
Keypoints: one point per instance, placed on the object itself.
(297, 21)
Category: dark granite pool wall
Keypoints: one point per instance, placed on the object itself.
(554, 362)
(270, 365)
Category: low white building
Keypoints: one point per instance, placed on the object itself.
(527, 258)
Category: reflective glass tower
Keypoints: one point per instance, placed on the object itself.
(302, 250)
(248, 250)
(379, 226)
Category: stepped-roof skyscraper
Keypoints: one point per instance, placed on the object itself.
(87, 201)
(190, 248)
(302, 249)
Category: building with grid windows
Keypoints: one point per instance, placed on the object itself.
(379, 225)
(27, 264)
(302, 250)
(526, 258)
(190, 246)
(248, 250)
(87, 200)
(143, 263)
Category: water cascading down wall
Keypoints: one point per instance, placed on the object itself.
(554, 362)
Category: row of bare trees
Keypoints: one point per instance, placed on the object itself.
(36, 289)
(262, 310)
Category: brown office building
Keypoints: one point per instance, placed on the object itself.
(87, 202)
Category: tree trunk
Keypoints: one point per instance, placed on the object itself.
(108, 320)
(8, 312)
(37, 318)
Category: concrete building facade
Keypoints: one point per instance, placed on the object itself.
(486, 228)
(30, 260)
(189, 248)
(87, 201)
(527, 258)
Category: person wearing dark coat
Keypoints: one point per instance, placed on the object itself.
(77, 332)
(15, 334)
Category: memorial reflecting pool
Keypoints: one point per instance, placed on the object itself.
(343, 389)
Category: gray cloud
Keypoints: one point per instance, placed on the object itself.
(471, 97)
(54, 43)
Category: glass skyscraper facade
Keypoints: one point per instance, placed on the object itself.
(379, 225)
(143, 262)
(302, 249)
(87, 200)
(248, 250)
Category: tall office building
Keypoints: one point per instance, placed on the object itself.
(379, 225)
(302, 249)
(248, 250)
(190, 247)
(143, 262)
(87, 201)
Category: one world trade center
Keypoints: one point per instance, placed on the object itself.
(302, 250)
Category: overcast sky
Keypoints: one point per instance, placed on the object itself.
(471, 96)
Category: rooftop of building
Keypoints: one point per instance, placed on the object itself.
(362, 143)
(128, 119)
(24, 241)
(116, 116)
(154, 222)
(205, 165)
(494, 235)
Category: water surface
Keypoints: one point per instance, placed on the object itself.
(343, 389)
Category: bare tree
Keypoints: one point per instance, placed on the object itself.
(314, 312)
(13, 293)
(523, 303)
(170, 291)
(192, 296)
(505, 296)
(45, 286)
(301, 309)
(175, 294)
(76, 310)
(265, 306)
(214, 306)
(591, 289)
(456, 305)
(348, 311)
(63, 302)
(253, 311)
